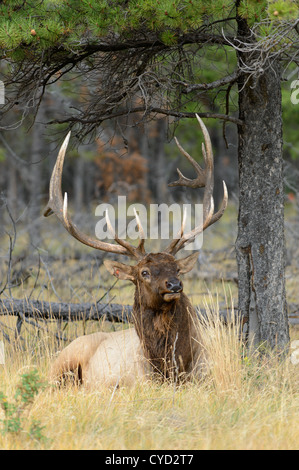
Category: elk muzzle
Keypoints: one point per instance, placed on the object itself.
(174, 287)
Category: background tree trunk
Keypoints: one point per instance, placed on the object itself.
(78, 184)
(12, 190)
(35, 178)
(160, 163)
(261, 243)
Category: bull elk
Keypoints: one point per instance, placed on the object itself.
(164, 340)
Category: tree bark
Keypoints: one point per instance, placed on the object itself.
(261, 244)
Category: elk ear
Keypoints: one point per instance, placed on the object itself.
(120, 270)
(186, 264)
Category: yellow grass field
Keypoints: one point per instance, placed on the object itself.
(241, 403)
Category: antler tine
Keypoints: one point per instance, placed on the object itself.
(136, 252)
(209, 160)
(224, 203)
(204, 178)
(55, 193)
(190, 236)
(141, 233)
(175, 241)
(199, 182)
(58, 206)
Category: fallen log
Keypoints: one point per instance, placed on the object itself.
(294, 318)
(65, 311)
(40, 310)
(89, 311)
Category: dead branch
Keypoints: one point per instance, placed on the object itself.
(65, 311)
(68, 312)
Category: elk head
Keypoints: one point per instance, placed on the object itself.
(157, 275)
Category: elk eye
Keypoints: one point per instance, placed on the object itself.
(144, 273)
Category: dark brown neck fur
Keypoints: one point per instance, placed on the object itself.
(166, 331)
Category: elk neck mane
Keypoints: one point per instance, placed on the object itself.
(167, 332)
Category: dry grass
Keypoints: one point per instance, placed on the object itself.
(242, 403)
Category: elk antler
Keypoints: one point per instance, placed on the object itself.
(58, 206)
(204, 179)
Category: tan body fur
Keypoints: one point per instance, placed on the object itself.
(107, 359)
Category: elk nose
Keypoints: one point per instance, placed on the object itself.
(174, 285)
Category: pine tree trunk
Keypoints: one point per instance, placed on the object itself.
(261, 243)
